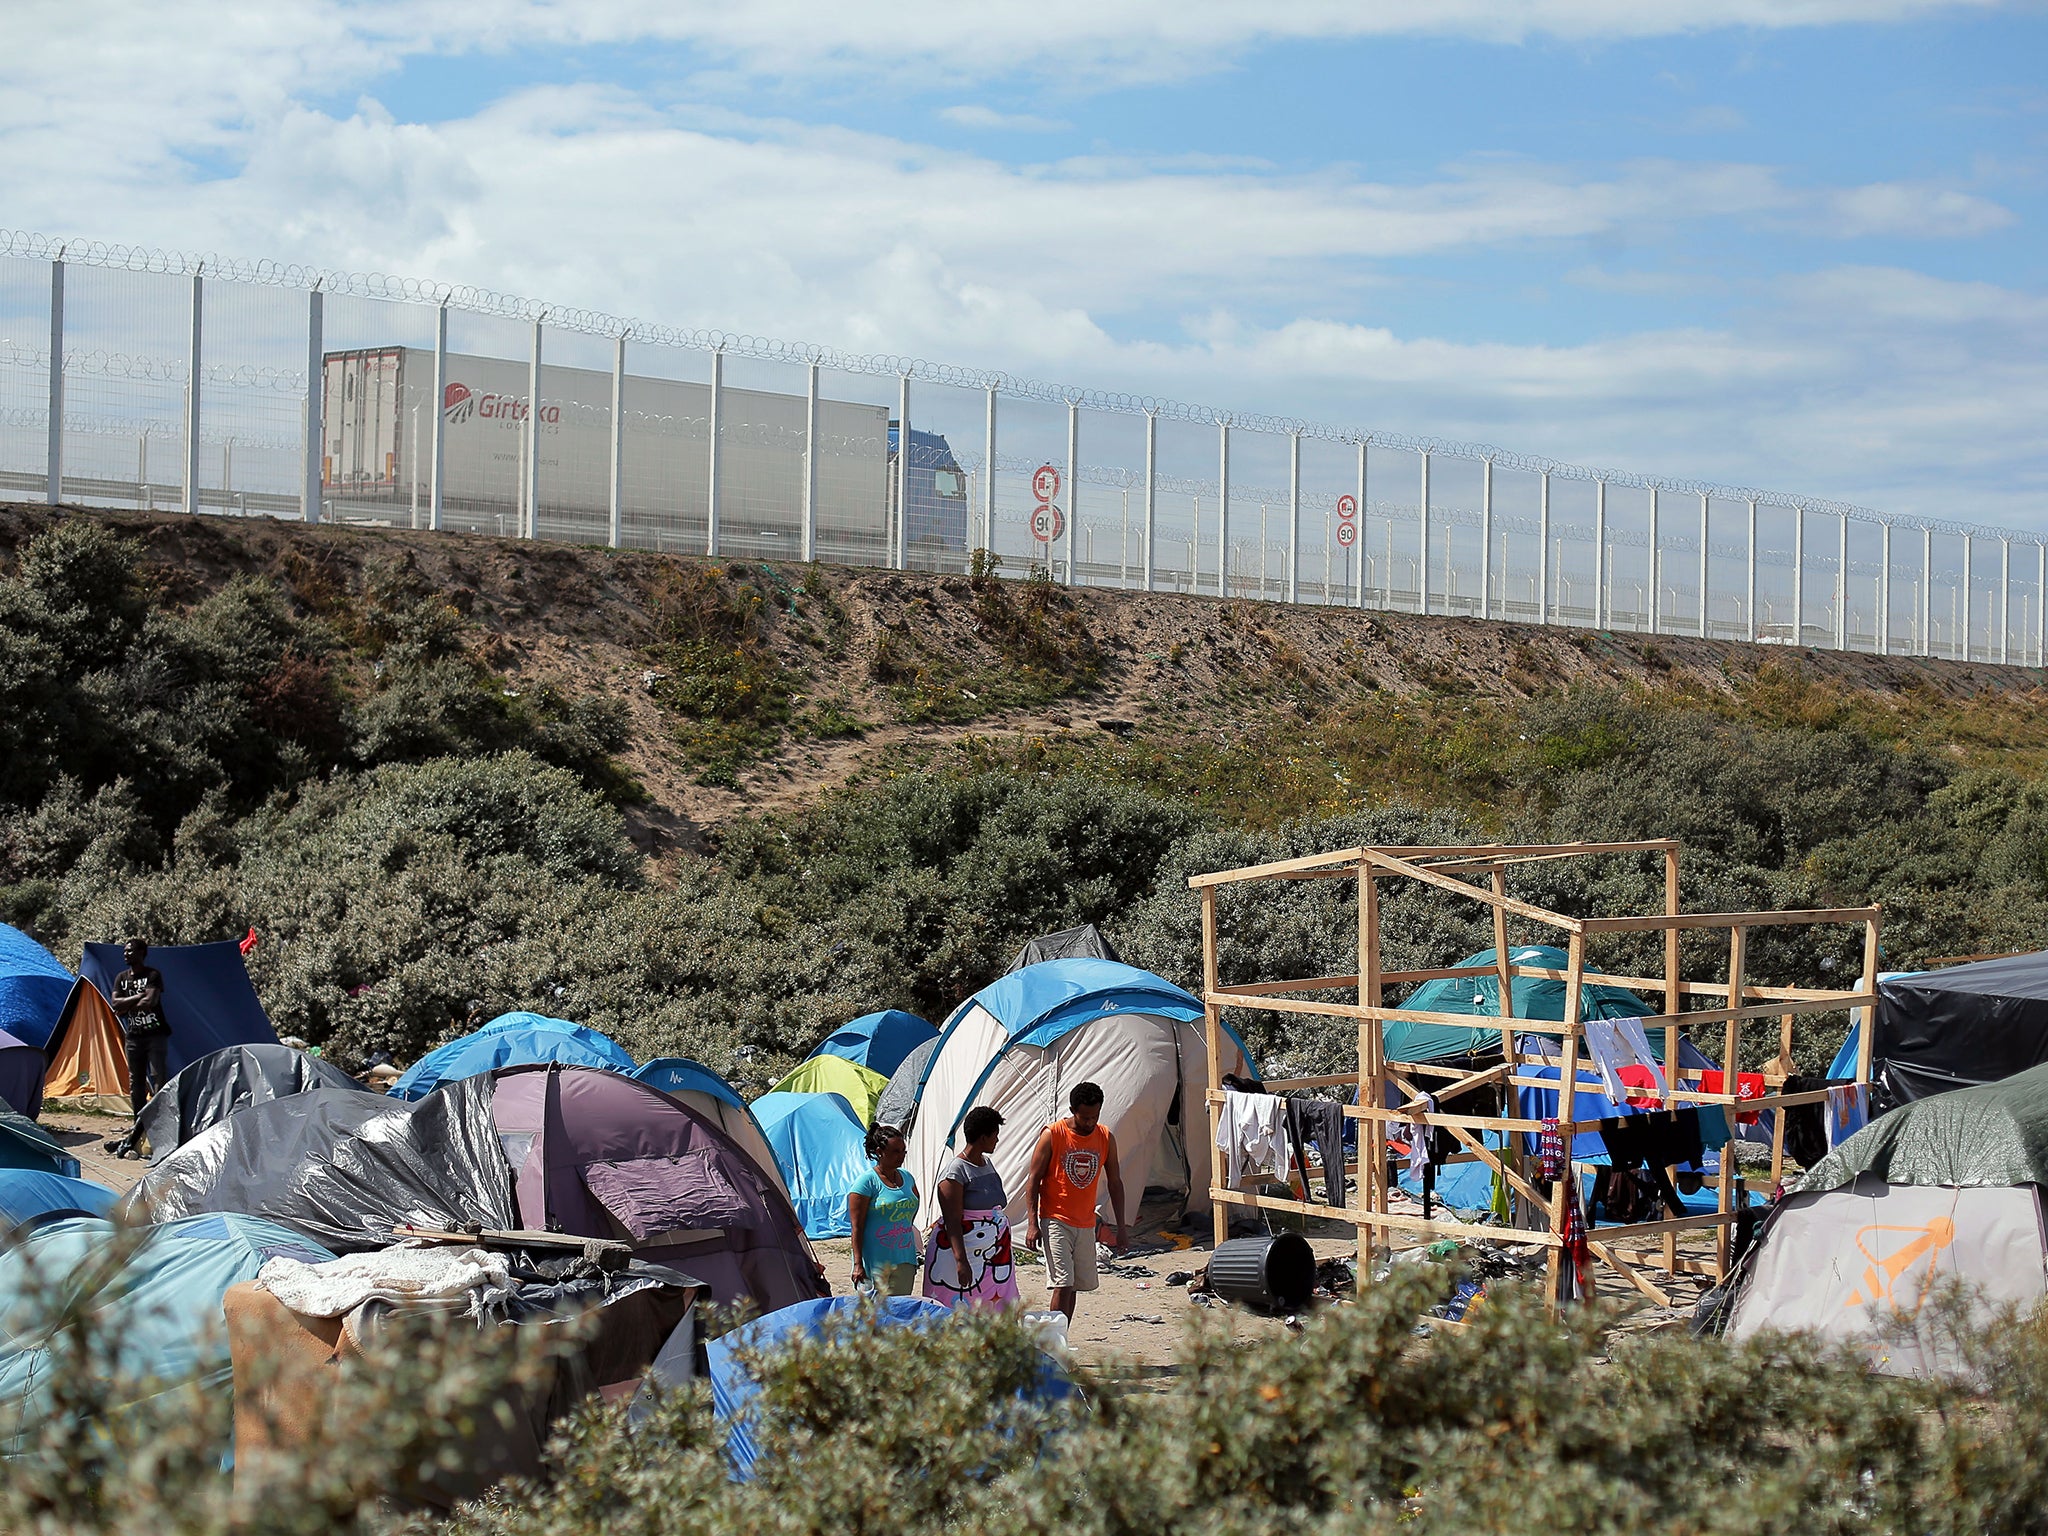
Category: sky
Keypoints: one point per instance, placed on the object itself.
(1796, 244)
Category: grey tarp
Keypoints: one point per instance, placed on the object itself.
(217, 1085)
(341, 1166)
(898, 1104)
(1994, 1135)
(1967, 1024)
(1086, 942)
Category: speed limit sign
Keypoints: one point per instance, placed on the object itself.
(1045, 482)
(1047, 522)
(1347, 534)
(1347, 507)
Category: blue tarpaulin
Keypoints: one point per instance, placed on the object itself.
(512, 1040)
(878, 1041)
(208, 1001)
(33, 987)
(159, 1309)
(820, 1146)
(26, 1194)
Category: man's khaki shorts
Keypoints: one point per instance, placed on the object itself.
(1069, 1257)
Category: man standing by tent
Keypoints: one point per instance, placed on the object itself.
(138, 1001)
(1072, 1157)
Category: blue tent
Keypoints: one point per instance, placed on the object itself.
(24, 1144)
(26, 1194)
(733, 1390)
(208, 1001)
(821, 1148)
(878, 1041)
(511, 1040)
(159, 1312)
(33, 987)
(1532, 997)
(679, 1074)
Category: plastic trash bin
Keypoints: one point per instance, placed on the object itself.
(1273, 1274)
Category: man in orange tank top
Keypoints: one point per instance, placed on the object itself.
(1068, 1166)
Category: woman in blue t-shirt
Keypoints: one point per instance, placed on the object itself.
(882, 1211)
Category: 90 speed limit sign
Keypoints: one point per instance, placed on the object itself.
(1047, 522)
(1347, 534)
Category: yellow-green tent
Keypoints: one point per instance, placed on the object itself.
(835, 1074)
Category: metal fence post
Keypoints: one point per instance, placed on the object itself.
(53, 458)
(1223, 509)
(1884, 597)
(1750, 605)
(714, 428)
(192, 364)
(1842, 586)
(1926, 647)
(1656, 567)
(988, 477)
(1422, 560)
(1961, 646)
(2041, 605)
(615, 528)
(1486, 539)
(1798, 575)
(1293, 516)
(1543, 555)
(532, 528)
(808, 540)
(899, 550)
(1602, 561)
(2004, 596)
(1360, 545)
(311, 479)
(1706, 523)
(1151, 489)
(440, 464)
(1073, 482)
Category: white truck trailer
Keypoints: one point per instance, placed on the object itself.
(377, 447)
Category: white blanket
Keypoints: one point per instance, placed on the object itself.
(338, 1287)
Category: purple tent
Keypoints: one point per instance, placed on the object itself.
(21, 1076)
(605, 1156)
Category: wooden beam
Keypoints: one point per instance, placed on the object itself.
(1512, 850)
(1212, 1032)
(1306, 984)
(1427, 876)
(1599, 925)
(1277, 867)
(1868, 1037)
(1731, 1064)
(1372, 1143)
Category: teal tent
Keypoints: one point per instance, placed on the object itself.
(1479, 995)
(154, 1296)
(24, 1144)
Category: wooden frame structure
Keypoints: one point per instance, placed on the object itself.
(1736, 1003)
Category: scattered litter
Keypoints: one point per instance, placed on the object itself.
(1141, 1317)
(1180, 1277)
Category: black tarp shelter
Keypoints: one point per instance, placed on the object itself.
(1955, 1028)
(217, 1085)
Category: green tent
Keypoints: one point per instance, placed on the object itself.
(1534, 998)
(1993, 1136)
(853, 1082)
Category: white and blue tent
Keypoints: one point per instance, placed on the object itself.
(696, 1087)
(822, 1147)
(1020, 1043)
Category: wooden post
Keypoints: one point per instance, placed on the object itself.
(1731, 1060)
(1510, 1157)
(1212, 1027)
(1868, 1035)
(1673, 1001)
(1567, 1101)
(1372, 1140)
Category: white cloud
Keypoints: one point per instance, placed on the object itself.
(987, 118)
(1904, 208)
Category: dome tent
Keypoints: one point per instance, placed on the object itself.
(584, 1152)
(27, 1195)
(1022, 1041)
(511, 1040)
(822, 1148)
(1532, 997)
(878, 1041)
(898, 1104)
(695, 1086)
(861, 1088)
(1944, 1187)
(209, 1002)
(33, 987)
(21, 1076)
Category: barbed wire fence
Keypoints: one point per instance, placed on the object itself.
(229, 398)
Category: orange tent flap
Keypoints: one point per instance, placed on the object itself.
(88, 1058)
